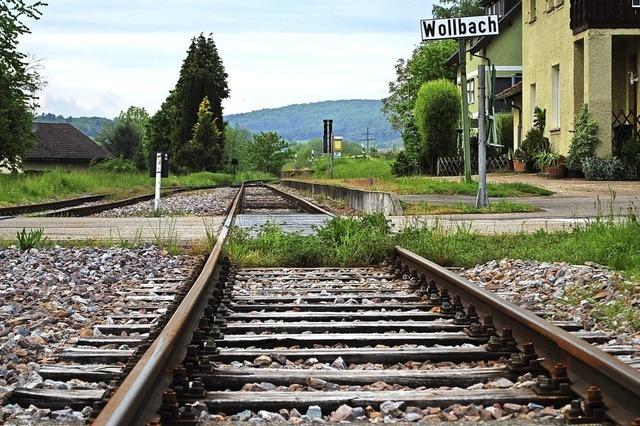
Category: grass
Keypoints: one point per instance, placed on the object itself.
(374, 174)
(368, 240)
(425, 208)
(60, 184)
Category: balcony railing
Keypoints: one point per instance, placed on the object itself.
(603, 14)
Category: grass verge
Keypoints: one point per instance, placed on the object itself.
(424, 208)
(369, 240)
(60, 184)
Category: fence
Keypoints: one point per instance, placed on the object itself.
(454, 166)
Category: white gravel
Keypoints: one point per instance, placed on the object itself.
(214, 202)
(50, 297)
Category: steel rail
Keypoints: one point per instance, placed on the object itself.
(140, 394)
(586, 365)
(300, 202)
(49, 205)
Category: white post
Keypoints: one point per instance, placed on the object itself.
(156, 207)
(483, 198)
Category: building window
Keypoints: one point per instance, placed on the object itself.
(496, 8)
(532, 100)
(532, 10)
(471, 91)
(555, 96)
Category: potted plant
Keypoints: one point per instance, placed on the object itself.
(552, 163)
(520, 159)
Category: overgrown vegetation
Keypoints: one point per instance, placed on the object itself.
(353, 242)
(60, 184)
(429, 185)
(425, 208)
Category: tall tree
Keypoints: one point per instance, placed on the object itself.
(18, 82)
(236, 142)
(160, 127)
(124, 136)
(457, 8)
(205, 149)
(268, 152)
(202, 76)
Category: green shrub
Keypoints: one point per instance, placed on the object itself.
(534, 143)
(405, 165)
(504, 129)
(437, 114)
(584, 140)
(115, 165)
(609, 169)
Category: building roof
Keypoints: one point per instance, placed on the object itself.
(482, 42)
(62, 141)
(512, 91)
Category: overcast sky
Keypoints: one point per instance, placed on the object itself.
(99, 57)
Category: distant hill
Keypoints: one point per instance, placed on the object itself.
(300, 122)
(303, 122)
(90, 126)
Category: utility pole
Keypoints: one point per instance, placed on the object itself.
(483, 199)
(367, 138)
(466, 146)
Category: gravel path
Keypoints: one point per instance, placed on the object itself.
(50, 297)
(599, 299)
(212, 202)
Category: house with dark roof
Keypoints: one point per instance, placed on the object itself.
(60, 145)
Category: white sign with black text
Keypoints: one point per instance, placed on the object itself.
(472, 26)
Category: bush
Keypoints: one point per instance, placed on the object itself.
(115, 165)
(437, 114)
(504, 129)
(404, 165)
(595, 168)
(584, 141)
(534, 143)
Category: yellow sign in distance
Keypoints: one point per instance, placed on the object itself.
(337, 143)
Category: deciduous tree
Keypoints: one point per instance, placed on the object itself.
(18, 82)
(268, 152)
(124, 137)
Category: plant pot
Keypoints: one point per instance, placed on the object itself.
(556, 172)
(574, 174)
(531, 166)
(519, 166)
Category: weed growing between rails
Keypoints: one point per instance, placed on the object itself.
(341, 242)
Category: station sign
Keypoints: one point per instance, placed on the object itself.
(472, 26)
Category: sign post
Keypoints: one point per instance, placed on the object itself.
(327, 144)
(483, 199)
(466, 145)
(461, 29)
(159, 169)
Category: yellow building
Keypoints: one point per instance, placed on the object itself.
(577, 52)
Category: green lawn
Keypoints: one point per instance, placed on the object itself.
(375, 175)
(59, 184)
(421, 207)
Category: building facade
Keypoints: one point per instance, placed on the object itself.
(581, 52)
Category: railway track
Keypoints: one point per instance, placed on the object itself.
(403, 342)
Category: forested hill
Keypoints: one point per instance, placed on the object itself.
(302, 122)
(90, 126)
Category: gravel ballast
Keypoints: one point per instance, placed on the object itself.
(50, 297)
(214, 202)
(591, 294)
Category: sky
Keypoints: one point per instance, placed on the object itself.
(100, 57)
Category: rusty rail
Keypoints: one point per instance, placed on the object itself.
(586, 365)
(140, 394)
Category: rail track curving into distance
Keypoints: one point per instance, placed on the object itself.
(235, 331)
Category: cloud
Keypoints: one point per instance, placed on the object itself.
(101, 57)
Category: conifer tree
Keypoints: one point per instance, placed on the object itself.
(205, 149)
(202, 76)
